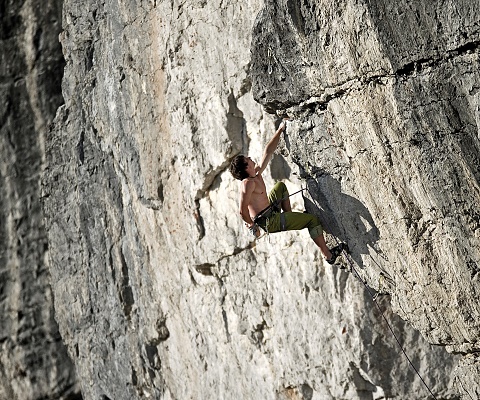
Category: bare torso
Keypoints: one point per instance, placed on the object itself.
(258, 200)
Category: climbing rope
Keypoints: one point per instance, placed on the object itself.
(374, 298)
(463, 387)
(290, 195)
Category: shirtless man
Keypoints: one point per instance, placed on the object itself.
(258, 209)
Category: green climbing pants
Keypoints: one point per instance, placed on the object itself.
(292, 220)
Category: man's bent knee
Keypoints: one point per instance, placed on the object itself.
(316, 230)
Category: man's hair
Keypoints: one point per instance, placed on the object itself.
(238, 166)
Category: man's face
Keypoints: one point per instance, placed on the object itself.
(250, 169)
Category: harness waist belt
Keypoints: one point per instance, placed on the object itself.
(261, 217)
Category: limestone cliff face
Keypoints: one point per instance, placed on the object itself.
(159, 291)
(387, 133)
(33, 360)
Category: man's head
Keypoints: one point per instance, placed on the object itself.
(238, 167)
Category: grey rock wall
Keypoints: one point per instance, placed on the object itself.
(387, 140)
(33, 360)
(160, 293)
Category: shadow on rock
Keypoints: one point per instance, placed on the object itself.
(342, 215)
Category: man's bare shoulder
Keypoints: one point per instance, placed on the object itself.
(248, 185)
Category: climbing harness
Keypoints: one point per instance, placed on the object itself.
(262, 218)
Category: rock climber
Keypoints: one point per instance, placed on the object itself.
(259, 210)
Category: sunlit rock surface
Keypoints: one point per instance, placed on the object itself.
(159, 291)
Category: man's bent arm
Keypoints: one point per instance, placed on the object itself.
(270, 148)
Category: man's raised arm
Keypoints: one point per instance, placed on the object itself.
(270, 148)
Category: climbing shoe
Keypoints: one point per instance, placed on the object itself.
(336, 251)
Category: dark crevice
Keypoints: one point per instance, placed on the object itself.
(406, 70)
(89, 56)
(205, 269)
(199, 220)
(126, 292)
(419, 65)
(225, 321)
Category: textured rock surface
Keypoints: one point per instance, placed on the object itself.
(33, 361)
(158, 290)
(387, 138)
